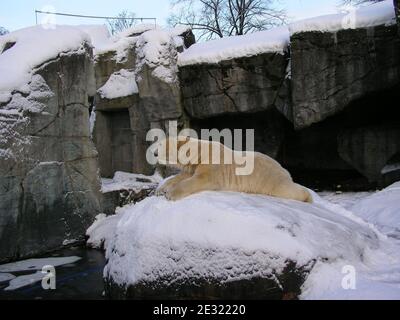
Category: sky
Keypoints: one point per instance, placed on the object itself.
(16, 14)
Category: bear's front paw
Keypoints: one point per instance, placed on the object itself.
(172, 195)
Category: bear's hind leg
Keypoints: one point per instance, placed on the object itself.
(292, 191)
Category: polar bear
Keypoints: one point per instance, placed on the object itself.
(200, 172)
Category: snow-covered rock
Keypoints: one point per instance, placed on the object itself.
(223, 239)
(331, 63)
(130, 181)
(214, 51)
(49, 184)
(120, 84)
(125, 188)
(31, 47)
(136, 75)
(381, 13)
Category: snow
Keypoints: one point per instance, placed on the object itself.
(36, 264)
(214, 51)
(99, 34)
(158, 49)
(382, 209)
(120, 84)
(212, 232)
(33, 47)
(381, 13)
(129, 181)
(137, 30)
(325, 282)
(36, 45)
(231, 236)
(277, 39)
(101, 230)
(344, 199)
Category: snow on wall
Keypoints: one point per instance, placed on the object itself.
(381, 13)
(158, 49)
(277, 39)
(33, 47)
(155, 47)
(120, 84)
(99, 34)
(214, 51)
(13, 116)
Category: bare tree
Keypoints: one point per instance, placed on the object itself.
(358, 2)
(3, 31)
(125, 21)
(220, 18)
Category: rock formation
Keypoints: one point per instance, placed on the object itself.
(123, 121)
(332, 69)
(49, 182)
(327, 80)
(216, 245)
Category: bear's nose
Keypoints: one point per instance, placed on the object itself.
(156, 153)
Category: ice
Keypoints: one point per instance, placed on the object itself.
(6, 277)
(36, 264)
(25, 280)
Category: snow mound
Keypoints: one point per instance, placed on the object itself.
(158, 49)
(382, 209)
(226, 236)
(214, 51)
(102, 230)
(29, 48)
(120, 84)
(381, 13)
